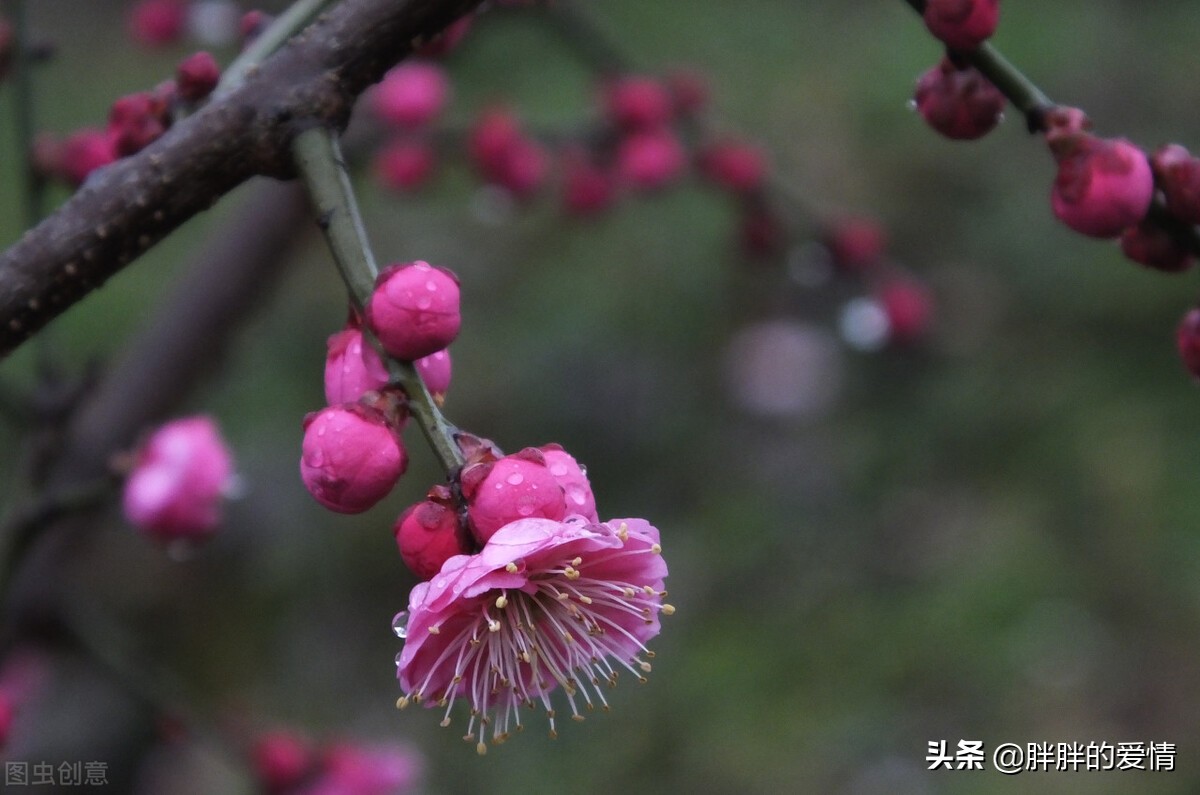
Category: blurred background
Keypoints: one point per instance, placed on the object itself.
(990, 534)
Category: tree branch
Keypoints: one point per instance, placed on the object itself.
(130, 205)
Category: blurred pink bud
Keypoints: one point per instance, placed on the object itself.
(157, 22)
(404, 165)
(83, 152)
(428, 535)
(492, 136)
(134, 122)
(8, 713)
(518, 486)
(961, 104)
(197, 76)
(414, 310)
(357, 769)
(1187, 339)
(736, 166)
(909, 309)
(761, 234)
(282, 760)
(1178, 175)
(571, 476)
(1102, 186)
(588, 189)
(435, 370)
(351, 457)
(855, 243)
(252, 24)
(449, 39)
(962, 24)
(523, 168)
(351, 368)
(1149, 244)
(690, 91)
(637, 102)
(178, 481)
(650, 160)
(412, 94)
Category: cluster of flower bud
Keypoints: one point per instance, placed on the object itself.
(353, 450)
(287, 763)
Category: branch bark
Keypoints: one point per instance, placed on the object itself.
(127, 207)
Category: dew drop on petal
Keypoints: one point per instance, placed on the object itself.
(398, 654)
(558, 470)
(515, 478)
(400, 627)
(424, 302)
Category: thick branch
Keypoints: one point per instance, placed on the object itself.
(129, 206)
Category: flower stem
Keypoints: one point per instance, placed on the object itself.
(286, 25)
(320, 162)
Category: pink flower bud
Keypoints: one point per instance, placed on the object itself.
(434, 370)
(909, 310)
(8, 713)
(179, 478)
(1178, 175)
(1149, 244)
(650, 160)
(83, 152)
(134, 122)
(357, 769)
(414, 310)
(761, 233)
(351, 368)
(570, 475)
(492, 136)
(960, 104)
(252, 24)
(428, 535)
(281, 761)
(411, 94)
(516, 487)
(155, 23)
(1188, 340)
(587, 188)
(404, 165)
(855, 244)
(962, 24)
(197, 76)
(351, 457)
(1102, 186)
(523, 169)
(638, 103)
(735, 166)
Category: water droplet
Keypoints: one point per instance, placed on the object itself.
(424, 302)
(499, 486)
(912, 104)
(400, 627)
(321, 431)
(558, 470)
(583, 470)
(398, 655)
(516, 478)
(441, 583)
(524, 509)
(576, 493)
(431, 286)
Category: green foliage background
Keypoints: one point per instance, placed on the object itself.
(993, 538)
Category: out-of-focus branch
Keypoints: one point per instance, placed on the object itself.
(128, 206)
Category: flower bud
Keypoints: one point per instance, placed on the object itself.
(179, 479)
(414, 310)
(909, 310)
(570, 475)
(134, 122)
(689, 91)
(403, 165)
(855, 244)
(1188, 340)
(252, 24)
(411, 94)
(491, 137)
(197, 76)
(155, 23)
(282, 761)
(961, 104)
(351, 368)
(735, 166)
(351, 457)
(83, 152)
(518, 486)
(434, 370)
(428, 535)
(448, 40)
(650, 160)
(1102, 186)
(587, 188)
(523, 169)
(1178, 175)
(761, 233)
(1151, 245)
(962, 24)
(637, 103)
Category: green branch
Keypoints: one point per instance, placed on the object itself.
(320, 162)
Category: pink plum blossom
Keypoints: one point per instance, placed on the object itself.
(352, 457)
(414, 310)
(351, 368)
(545, 604)
(179, 478)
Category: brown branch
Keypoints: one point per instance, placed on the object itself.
(127, 207)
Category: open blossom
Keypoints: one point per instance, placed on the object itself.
(179, 479)
(545, 604)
